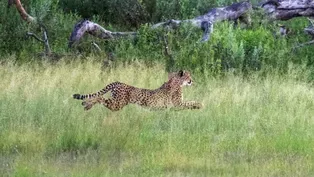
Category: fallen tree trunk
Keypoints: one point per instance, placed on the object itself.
(234, 12)
(86, 26)
(287, 9)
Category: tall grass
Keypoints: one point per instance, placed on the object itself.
(257, 126)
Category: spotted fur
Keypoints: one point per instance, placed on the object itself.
(168, 95)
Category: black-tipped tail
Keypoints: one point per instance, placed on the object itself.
(78, 96)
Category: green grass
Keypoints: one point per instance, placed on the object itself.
(258, 126)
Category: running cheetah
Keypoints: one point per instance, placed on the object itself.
(167, 96)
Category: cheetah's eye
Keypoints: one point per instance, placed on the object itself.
(189, 82)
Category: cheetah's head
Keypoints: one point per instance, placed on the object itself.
(182, 77)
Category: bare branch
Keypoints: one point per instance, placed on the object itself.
(25, 16)
(96, 46)
(45, 37)
(233, 12)
(310, 29)
(304, 44)
(35, 36)
(236, 11)
(44, 40)
(311, 21)
(86, 26)
(167, 52)
(287, 9)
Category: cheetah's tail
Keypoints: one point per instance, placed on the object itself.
(93, 95)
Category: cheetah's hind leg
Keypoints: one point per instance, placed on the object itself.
(90, 102)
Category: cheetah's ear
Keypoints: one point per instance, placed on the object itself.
(181, 73)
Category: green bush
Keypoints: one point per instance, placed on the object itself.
(239, 49)
(14, 38)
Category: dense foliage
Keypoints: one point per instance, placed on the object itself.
(240, 48)
(257, 125)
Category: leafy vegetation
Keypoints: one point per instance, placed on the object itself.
(240, 48)
(257, 91)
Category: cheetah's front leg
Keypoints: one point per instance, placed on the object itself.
(191, 105)
(178, 103)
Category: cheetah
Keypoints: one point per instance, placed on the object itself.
(169, 95)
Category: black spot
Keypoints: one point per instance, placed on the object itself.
(181, 73)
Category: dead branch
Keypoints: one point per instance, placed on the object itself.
(167, 52)
(304, 44)
(45, 38)
(96, 46)
(310, 29)
(35, 36)
(28, 18)
(236, 11)
(86, 26)
(287, 9)
(311, 21)
(25, 16)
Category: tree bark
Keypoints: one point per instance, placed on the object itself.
(287, 9)
(24, 15)
(28, 18)
(86, 26)
(205, 22)
(234, 12)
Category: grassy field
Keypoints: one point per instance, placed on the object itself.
(258, 126)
